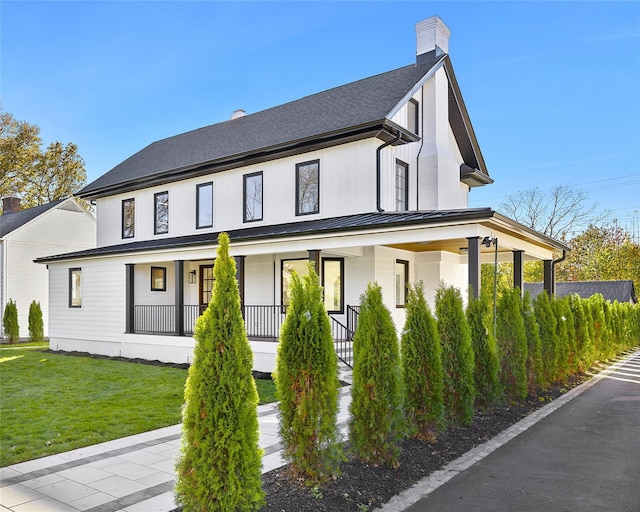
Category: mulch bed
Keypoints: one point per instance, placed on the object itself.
(361, 487)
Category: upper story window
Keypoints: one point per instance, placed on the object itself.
(252, 192)
(75, 287)
(128, 218)
(402, 282)
(402, 186)
(308, 187)
(161, 213)
(204, 205)
(413, 116)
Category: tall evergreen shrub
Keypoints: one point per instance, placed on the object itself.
(421, 367)
(36, 325)
(548, 338)
(534, 349)
(219, 467)
(511, 337)
(376, 426)
(596, 305)
(457, 356)
(562, 364)
(487, 362)
(307, 384)
(581, 321)
(10, 322)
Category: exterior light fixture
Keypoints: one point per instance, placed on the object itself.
(192, 277)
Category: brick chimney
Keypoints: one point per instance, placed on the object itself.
(10, 205)
(432, 35)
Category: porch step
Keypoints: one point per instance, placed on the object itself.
(345, 374)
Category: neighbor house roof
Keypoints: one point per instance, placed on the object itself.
(622, 291)
(11, 221)
(349, 112)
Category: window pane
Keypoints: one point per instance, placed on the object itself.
(253, 197)
(128, 218)
(300, 267)
(307, 187)
(158, 279)
(332, 284)
(401, 187)
(75, 287)
(412, 115)
(205, 205)
(161, 212)
(402, 279)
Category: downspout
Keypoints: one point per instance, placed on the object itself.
(553, 269)
(420, 150)
(378, 177)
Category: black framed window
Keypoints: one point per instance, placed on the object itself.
(333, 284)
(402, 186)
(252, 194)
(161, 213)
(413, 116)
(128, 218)
(308, 187)
(402, 282)
(75, 287)
(158, 279)
(204, 205)
(288, 267)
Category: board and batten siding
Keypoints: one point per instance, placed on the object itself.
(56, 231)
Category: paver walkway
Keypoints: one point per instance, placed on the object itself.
(133, 474)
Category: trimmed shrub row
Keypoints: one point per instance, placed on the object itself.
(12, 328)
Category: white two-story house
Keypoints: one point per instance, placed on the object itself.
(369, 180)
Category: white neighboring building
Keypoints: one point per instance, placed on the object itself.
(369, 180)
(25, 235)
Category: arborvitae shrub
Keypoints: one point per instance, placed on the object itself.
(219, 467)
(307, 384)
(572, 362)
(457, 356)
(511, 337)
(422, 367)
(534, 350)
(36, 325)
(584, 357)
(596, 305)
(548, 337)
(562, 366)
(376, 426)
(487, 382)
(10, 322)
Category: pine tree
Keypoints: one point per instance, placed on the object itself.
(307, 383)
(512, 344)
(36, 326)
(457, 356)
(219, 467)
(376, 426)
(487, 365)
(421, 367)
(10, 322)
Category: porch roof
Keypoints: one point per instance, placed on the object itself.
(358, 222)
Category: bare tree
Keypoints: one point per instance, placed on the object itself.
(557, 213)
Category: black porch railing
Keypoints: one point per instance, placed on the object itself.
(343, 341)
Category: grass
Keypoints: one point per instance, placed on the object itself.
(51, 403)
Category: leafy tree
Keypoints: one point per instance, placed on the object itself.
(36, 325)
(511, 337)
(37, 176)
(548, 337)
(457, 356)
(534, 345)
(219, 467)
(10, 321)
(376, 426)
(422, 367)
(307, 383)
(487, 382)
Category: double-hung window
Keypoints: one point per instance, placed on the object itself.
(402, 186)
(75, 287)
(204, 205)
(252, 192)
(161, 213)
(402, 282)
(128, 218)
(308, 187)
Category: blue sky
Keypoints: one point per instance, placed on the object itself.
(552, 88)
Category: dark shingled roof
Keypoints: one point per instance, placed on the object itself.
(622, 291)
(12, 221)
(357, 104)
(362, 221)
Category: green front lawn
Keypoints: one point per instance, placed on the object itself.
(51, 403)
